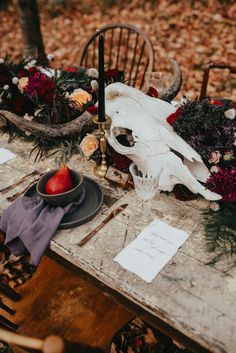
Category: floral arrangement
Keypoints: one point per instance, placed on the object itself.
(49, 96)
(210, 128)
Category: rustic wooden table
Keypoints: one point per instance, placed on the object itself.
(192, 302)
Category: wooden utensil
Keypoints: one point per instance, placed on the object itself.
(18, 182)
(21, 192)
(102, 224)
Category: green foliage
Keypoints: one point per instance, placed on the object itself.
(67, 149)
(62, 149)
(220, 232)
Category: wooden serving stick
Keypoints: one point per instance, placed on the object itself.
(52, 344)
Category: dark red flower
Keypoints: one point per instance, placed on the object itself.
(152, 92)
(223, 183)
(113, 75)
(41, 87)
(17, 104)
(215, 102)
(119, 161)
(71, 69)
(138, 342)
(23, 73)
(92, 109)
(33, 70)
(172, 117)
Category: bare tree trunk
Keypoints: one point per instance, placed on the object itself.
(30, 23)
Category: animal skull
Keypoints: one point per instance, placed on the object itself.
(156, 147)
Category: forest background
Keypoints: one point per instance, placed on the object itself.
(192, 32)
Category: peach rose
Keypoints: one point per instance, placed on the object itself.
(80, 96)
(89, 144)
(23, 82)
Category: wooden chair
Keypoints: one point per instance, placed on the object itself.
(52, 344)
(207, 68)
(57, 301)
(127, 48)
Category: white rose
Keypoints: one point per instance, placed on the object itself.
(230, 114)
(15, 80)
(50, 57)
(92, 73)
(2, 61)
(94, 85)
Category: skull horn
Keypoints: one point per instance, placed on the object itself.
(169, 93)
(78, 126)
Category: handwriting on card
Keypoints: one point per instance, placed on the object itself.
(151, 250)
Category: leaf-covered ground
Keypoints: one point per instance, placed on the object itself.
(192, 32)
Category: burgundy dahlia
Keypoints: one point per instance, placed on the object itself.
(41, 87)
(224, 183)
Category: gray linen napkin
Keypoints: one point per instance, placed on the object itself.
(30, 223)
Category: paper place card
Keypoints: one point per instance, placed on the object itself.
(5, 155)
(151, 250)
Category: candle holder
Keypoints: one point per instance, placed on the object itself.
(101, 169)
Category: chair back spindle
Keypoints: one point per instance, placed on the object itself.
(127, 48)
(206, 72)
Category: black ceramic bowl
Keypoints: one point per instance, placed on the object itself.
(64, 198)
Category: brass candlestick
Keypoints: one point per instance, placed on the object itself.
(101, 169)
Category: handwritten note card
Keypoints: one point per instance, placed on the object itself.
(151, 250)
(5, 155)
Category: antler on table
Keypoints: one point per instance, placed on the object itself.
(80, 125)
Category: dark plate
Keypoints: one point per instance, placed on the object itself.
(86, 211)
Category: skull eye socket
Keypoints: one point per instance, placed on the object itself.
(124, 136)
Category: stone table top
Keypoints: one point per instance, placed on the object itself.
(189, 296)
